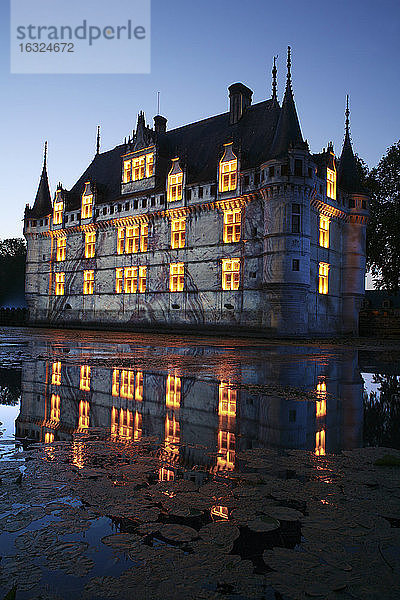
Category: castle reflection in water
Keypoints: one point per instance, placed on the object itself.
(202, 416)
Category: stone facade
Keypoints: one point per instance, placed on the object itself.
(278, 193)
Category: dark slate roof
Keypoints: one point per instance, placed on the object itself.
(42, 206)
(288, 132)
(199, 147)
(348, 174)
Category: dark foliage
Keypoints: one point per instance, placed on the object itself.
(12, 272)
(382, 413)
(10, 386)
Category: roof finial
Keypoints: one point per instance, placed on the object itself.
(289, 67)
(98, 140)
(45, 156)
(274, 72)
(347, 115)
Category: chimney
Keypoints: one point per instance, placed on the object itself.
(160, 124)
(240, 98)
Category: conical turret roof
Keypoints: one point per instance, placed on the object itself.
(348, 175)
(42, 205)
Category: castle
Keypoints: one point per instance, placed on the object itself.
(226, 224)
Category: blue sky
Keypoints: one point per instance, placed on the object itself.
(198, 50)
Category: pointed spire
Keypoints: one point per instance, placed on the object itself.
(348, 176)
(98, 140)
(42, 205)
(274, 84)
(288, 132)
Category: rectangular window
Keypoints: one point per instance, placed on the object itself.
(296, 218)
(55, 408)
(331, 184)
(130, 280)
(323, 278)
(61, 249)
(173, 395)
(115, 383)
(83, 414)
(144, 236)
(120, 240)
(149, 165)
(127, 171)
(178, 233)
(172, 435)
(58, 213)
(90, 244)
(227, 401)
(60, 284)
(230, 274)
(127, 384)
(87, 207)
(232, 224)
(137, 432)
(295, 264)
(125, 424)
(84, 383)
(324, 231)
(139, 387)
(228, 175)
(138, 168)
(119, 281)
(132, 239)
(88, 282)
(142, 279)
(226, 451)
(298, 168)
(56, 373)
(176, 277)
(175, 186)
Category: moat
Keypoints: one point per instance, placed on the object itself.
(189, 467)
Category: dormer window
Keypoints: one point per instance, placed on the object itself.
(87, 202)
(139, 167)
(149, 165)
(58, 209)
(228, 168)
(175, 182)
(331, 183)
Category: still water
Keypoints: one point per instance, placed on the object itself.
(197, 409)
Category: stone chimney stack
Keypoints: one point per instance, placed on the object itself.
(160, 124)
(240, 98)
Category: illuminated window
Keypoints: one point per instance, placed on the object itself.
(220, 512)
(142, 279)
(120, 240)
(296, 218)
(130, 280)
(90, 244)
(55, 408)
(48, 437)
(132, 239)
(56, 373)
(230, 274)
(138, 168)
(165, 474)
(137, 431)
(149, 165)
(61, 249)
(320, 443)
(60, 284)
(139, 387)
(321, 403)
(175, 182)
(232, 222)
(115, 383)
(85, 378)
(87, 206)
(226, 451)
(114, 422)
(173, 396)
(324, 232)
(88, 282)
(58, 212)
(127, 171)
(323, 278)
(227, 401)
(228, 168)
(125, 424)
(119, 281)
(331, 184)
(83, 414)
(172, 435)
(176, 277)
(127, 384)
(178, 233)
(144, 235)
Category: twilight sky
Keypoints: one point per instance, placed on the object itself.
(198, 50)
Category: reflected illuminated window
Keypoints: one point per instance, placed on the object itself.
(55, 408)
(60, 284)
(132, 239)
(144, 237)
(139, 387)
(173, 395)
(178, 233)
(331, 184)
(231, 274)
(176, 277)
(165, 474)
(127, 387)
(323, 277)
(320, 443)
(232, 224)
(321, 403)
(84, 383)
(220, 512)
(83, 415)
(48, 437)
(226, 451)
(61, 249)
(114, 422)
(90, 244)
(227, 401)
(324, 231)
(77, 454)
(137, 432)
(56, 373)
(125, 429)
(88, 282)
(172, 435)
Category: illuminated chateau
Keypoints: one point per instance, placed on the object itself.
(226, 224)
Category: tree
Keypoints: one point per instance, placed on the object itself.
(12, 272)
(383, 232)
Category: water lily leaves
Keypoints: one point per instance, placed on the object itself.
(16, 572)
(220, 533)
(283, 513)
(121, 541)
(263, 524)
(22, 519)
(178, 533)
